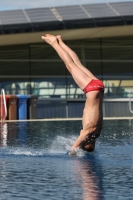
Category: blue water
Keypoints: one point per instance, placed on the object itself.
(34, 163)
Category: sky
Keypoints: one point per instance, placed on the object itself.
(22, 4)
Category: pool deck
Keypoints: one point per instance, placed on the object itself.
(68, 119)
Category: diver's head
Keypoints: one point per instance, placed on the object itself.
(88, 147)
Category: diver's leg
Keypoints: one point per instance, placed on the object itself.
(74, 57)
(80, 77)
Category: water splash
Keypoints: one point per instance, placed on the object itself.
(63, 145)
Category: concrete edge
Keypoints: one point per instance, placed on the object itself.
(66, 119)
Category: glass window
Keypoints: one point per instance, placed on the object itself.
(14, 52)
(16, 85)
(13, 68)
(73, 90)
(50, 87)
(117, 48)
(43, 52)
(92, 53)
(95, 68)
(117, 41)
(117, 53)
(47, 68)
(117, 68)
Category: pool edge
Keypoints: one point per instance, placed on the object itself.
(67, 119)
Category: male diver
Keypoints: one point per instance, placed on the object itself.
(93, 89)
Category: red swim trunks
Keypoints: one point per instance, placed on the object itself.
(94, 85)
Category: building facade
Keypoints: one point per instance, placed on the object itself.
(37, 69)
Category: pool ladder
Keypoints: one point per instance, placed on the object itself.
(130, 102)
(3, 101)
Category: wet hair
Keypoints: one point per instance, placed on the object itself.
(88, 147)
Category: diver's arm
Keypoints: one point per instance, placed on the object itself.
(79, 140)
(76, 146)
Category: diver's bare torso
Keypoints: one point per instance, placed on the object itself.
(91, 121)
(92, 114)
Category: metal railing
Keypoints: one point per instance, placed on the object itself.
(130, 102)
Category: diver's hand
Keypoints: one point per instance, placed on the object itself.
(73, 152)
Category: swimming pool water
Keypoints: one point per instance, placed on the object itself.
(34, 163)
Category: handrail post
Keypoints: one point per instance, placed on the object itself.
(3, 96)
(130, 103)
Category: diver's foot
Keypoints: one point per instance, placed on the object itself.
(50, 39)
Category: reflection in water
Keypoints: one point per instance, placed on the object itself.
(3, 133)
(22, 133)
(3, 176)
(89, 170)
